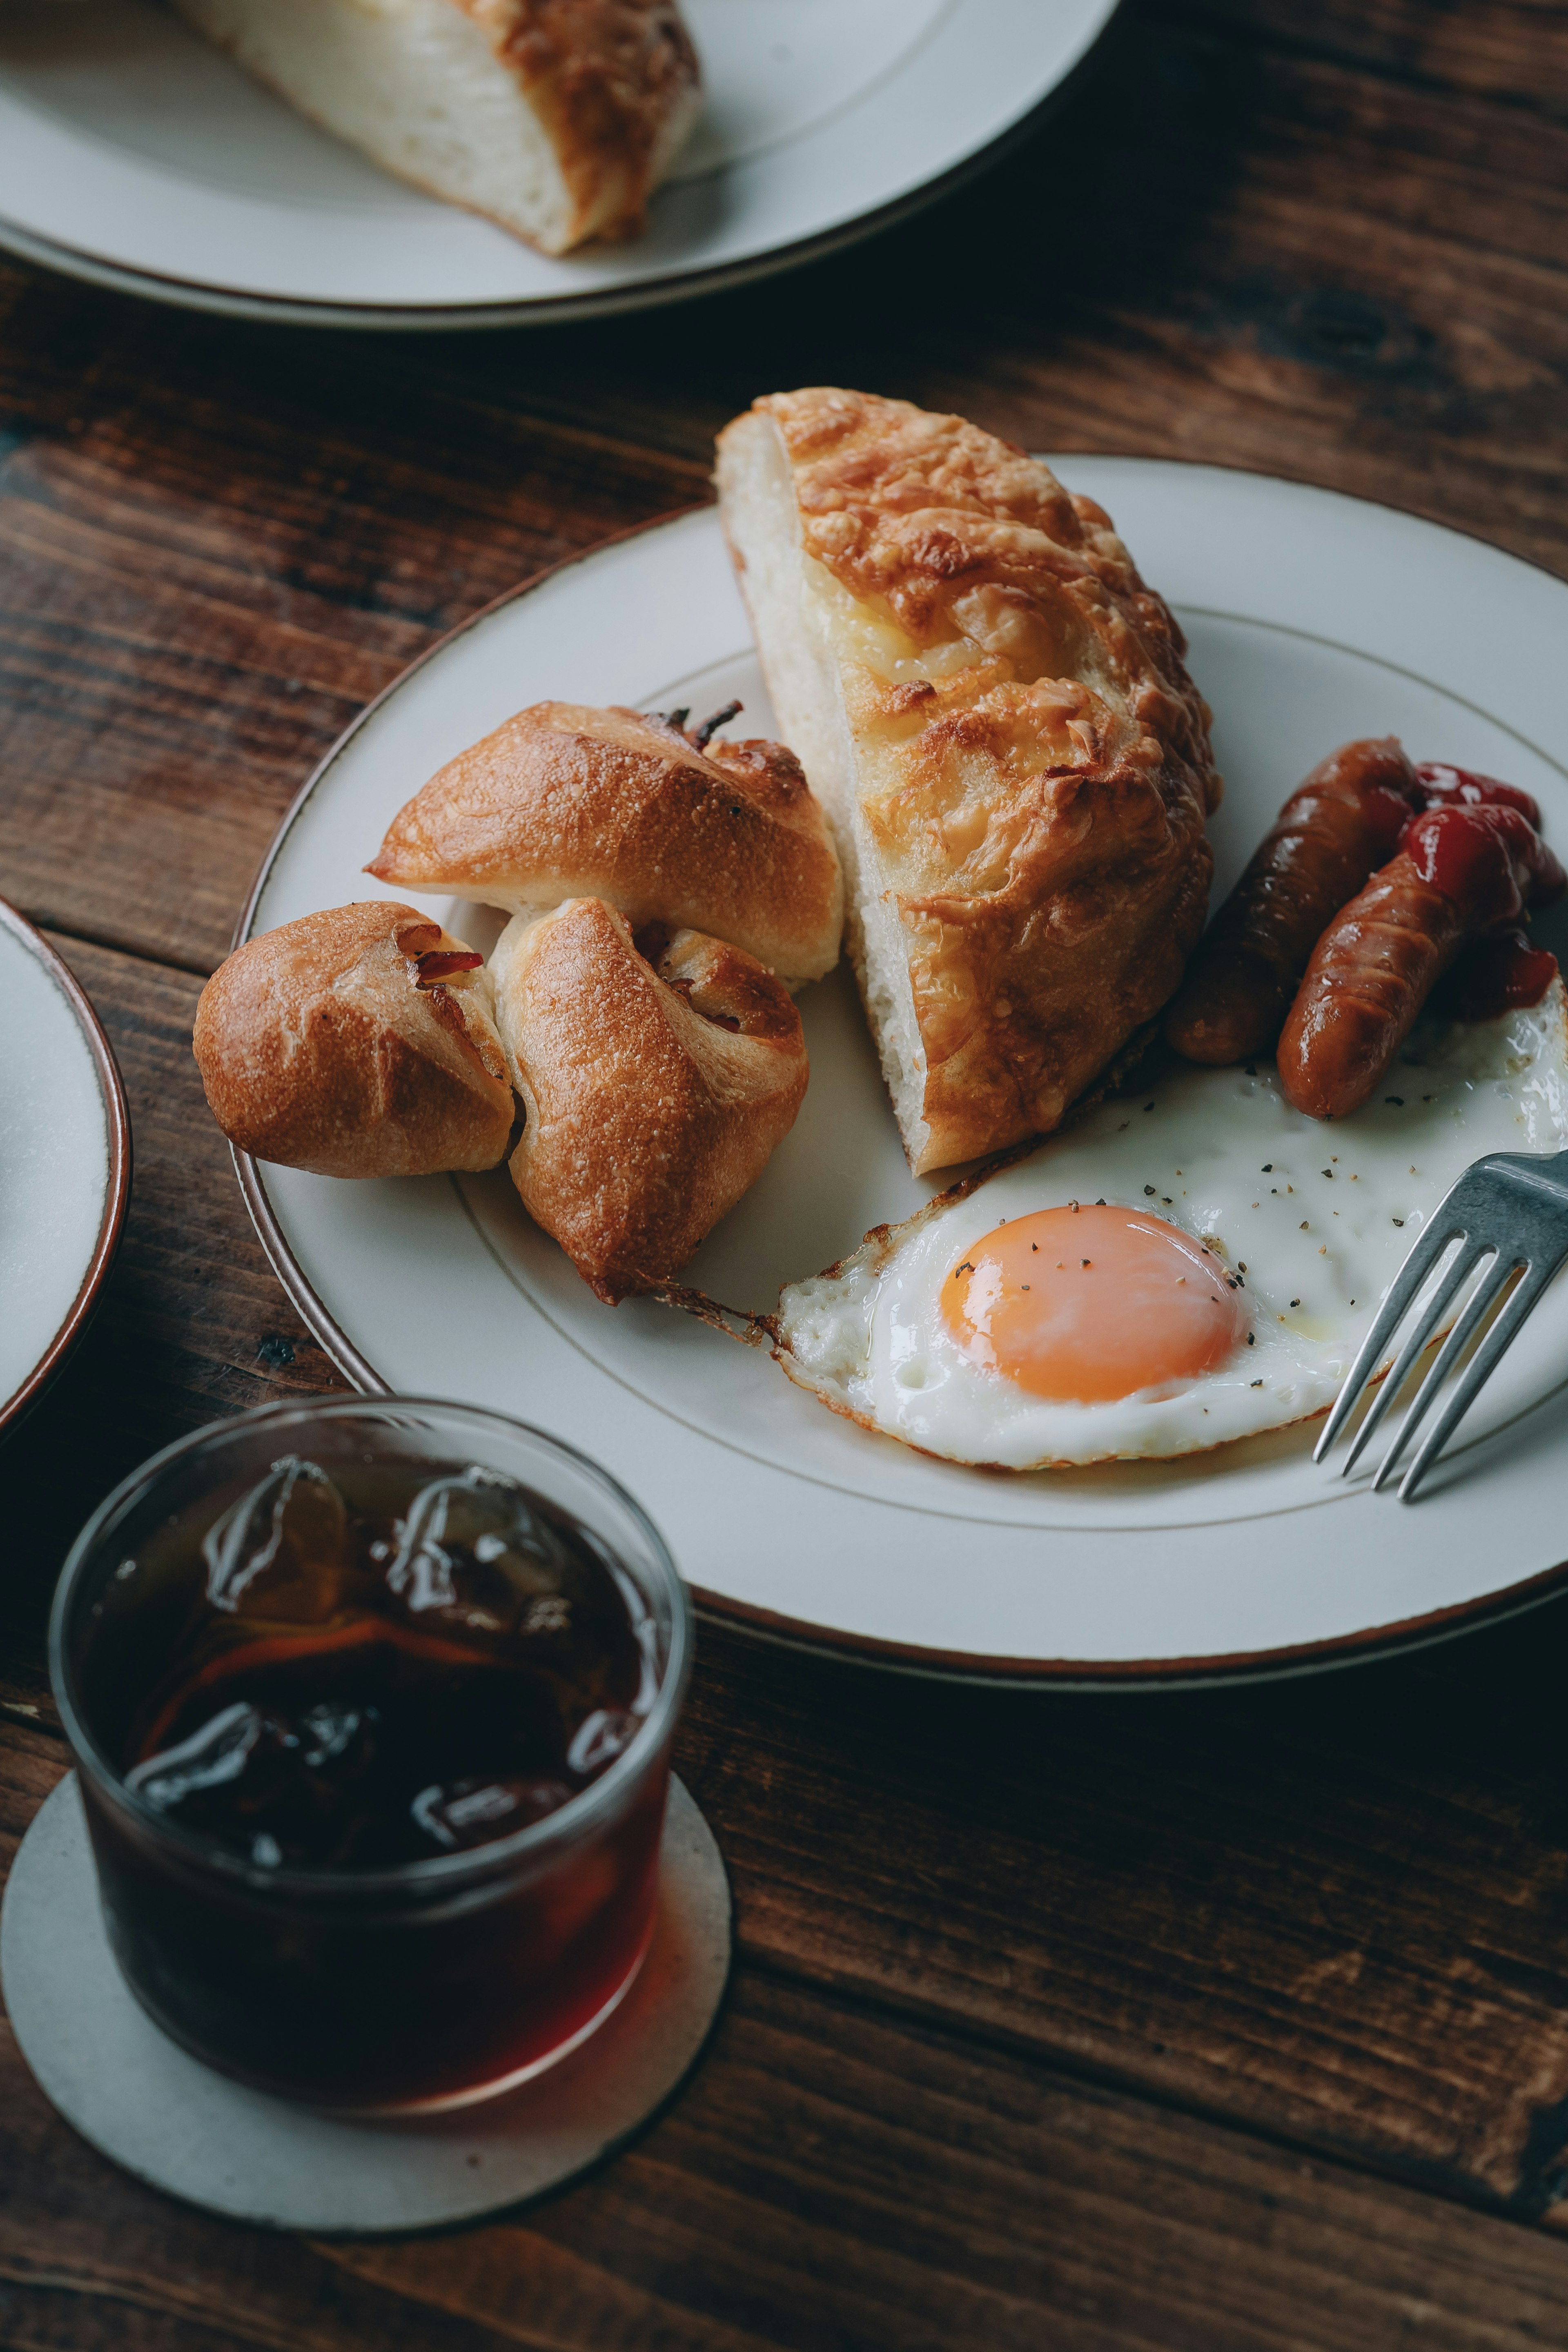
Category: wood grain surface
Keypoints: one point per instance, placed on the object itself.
(1225, 2020)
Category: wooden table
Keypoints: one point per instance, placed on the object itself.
(1219, 2022)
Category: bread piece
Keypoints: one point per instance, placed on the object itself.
(556, 118)
(994, 709)
(357, 1042)
(653, 1092)
(568, 803)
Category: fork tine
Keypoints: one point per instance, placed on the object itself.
(1484, 1296)
(1477, 1373)
(1406, 1283)
(1454, 1274)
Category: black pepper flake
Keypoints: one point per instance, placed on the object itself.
(1033, 1245)
(1164, 1200)
(1241, 1265)
(1252, 1069)
(1086, 1261)
(1258, 1384)
(1268, 1167)
(1329, 1172)
(965, 1268)
(1101, 1203)
(1025, 1285)
(1428, 1097)
(1251, 1340)
(1149, 1190)
(1397, 1101)
(1148, 1106)
(1295, 1302)
(1398, 1221)
(1303, 1225)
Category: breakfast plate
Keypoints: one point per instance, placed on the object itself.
(132, 155)
(1313, 618)
(65, 1163)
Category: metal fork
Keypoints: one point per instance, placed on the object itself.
(1509, 1208)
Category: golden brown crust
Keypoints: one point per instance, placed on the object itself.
(613, 82)
(654, 1093)
(567, 801)
(324, 1046)
(1034, 787)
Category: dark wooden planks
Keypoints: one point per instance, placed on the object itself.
(217, 544)
(830, 2177)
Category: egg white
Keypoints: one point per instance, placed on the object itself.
(1313, 1218)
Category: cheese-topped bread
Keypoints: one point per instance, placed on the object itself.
(994, 712)
(556, 118)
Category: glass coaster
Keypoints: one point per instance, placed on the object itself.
(147, 2105)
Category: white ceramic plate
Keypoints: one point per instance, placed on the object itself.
(1313, 619)
(65, 1163)
(131, 152)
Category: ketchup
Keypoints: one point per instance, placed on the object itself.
(1497, 975)
(1446, 785)
(1486, 857)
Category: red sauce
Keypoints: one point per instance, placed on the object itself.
(1497, 975)
(1487, 857)
(1444, 784)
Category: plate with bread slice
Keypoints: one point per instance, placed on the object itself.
(915, 1017)
(461, 163)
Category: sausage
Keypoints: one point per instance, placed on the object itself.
(1336, 829)
(1461, 870)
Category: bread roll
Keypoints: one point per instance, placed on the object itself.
(568, 803)
(653, 1091)
(556, 118)
(357, 1042)
(994, 709)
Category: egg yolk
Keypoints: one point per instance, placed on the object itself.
(1087, 1304)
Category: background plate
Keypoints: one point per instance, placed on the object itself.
(1313, 619)
(132, 151)
(65, 1163)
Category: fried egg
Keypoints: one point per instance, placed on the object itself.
(1183, 1265)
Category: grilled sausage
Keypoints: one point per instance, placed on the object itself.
(1461, 870)
(1335, 830)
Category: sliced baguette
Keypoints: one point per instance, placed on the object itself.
(994, 712)
(555, 119)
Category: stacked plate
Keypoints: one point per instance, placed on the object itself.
(133, 154)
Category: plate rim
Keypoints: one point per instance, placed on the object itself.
(1362, 1647)
(549, 309)
(117, 1192)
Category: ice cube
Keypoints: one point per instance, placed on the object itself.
(470, 1546)
(460, 1814)
(215, 1755)
(600, 1738)
(281, 1550)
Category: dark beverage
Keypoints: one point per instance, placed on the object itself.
(371, 1832)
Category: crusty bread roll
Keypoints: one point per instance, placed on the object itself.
(994, 712)
(357, 1042)
(568, 803)
(556, 118)
(653, 1091)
